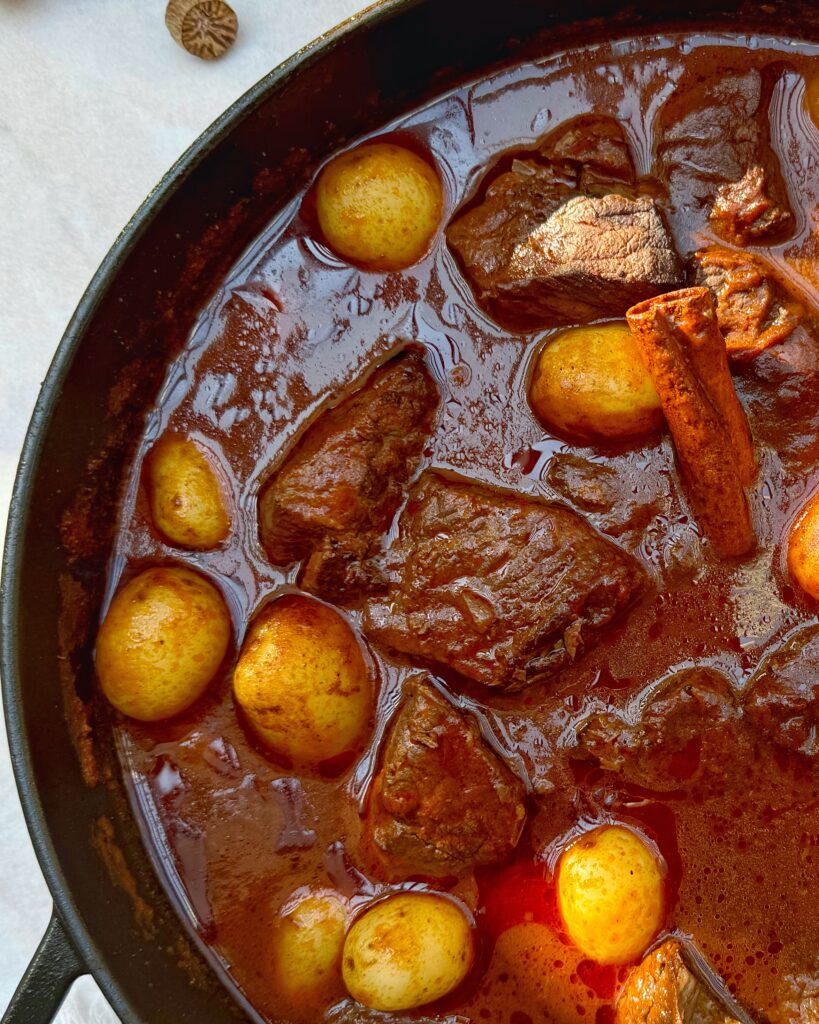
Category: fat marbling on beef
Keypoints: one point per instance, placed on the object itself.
(442, 801)
(502, 588)
(337, 492)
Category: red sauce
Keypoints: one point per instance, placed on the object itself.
(234, 834)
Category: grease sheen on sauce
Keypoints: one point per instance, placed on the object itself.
(233, 834)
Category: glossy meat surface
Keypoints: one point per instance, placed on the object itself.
(442, 801)
(336, 494)
(715, 151)
(680, 731)
(500, 588)
(662, 990)
(783, 696)
(568, 240)
(754, 311)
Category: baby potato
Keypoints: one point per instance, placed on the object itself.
(307, 944)
(407, 950)
(302, 681)
(379, 205)
(803, 549)
(187, 504)
(610, 893)
(161, 643)
(590, 382)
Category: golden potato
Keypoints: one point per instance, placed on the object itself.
(162, 642)
(187, 503)
(302, 681)
(379, 205)
(407, 950)
(803, 549)
(590, 382)
(307, 944)
(610, 892)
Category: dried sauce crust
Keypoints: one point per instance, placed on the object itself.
(336, 494)
(442, 802)
(503, 589)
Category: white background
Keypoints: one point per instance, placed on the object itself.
(96, 102)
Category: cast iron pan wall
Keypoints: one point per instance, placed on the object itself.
(141, 304)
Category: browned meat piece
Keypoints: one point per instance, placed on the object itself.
(662, 990)
(745, 213)
(597, 149)
(539, 254)
(590, 486)
(504, 589)
(617, 502)
(782, 698)
(715, 137)
(442, 801)
(337, 492)
(754, 310)
(681, 732)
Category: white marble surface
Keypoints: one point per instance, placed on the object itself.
(96, 102)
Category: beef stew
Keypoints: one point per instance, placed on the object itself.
(562, 636)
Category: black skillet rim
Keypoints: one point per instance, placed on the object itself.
(12, 564)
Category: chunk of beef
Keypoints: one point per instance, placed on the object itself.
(597, 150)
(754, 310)
(502, 588)
(715, 148)
(746, 212)
(337, 492)
(590, 486)
(442, 802)
(662, 990)
(599, 489)
(679, 732)
(782, 698)
(539, 254)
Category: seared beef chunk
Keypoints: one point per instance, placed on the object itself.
(617, 504)
(566, 241)
(590, 486)
(716, 149)
(681, 731)
(596, 149)
(745, 212)
(442, 802)
(538, 259)
(754, 310)
(504, 589)
(338, 491)
(782, 698)
(662, 990)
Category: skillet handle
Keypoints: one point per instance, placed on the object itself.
(53, 969)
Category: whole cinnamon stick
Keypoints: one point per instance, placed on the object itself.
(684, 352)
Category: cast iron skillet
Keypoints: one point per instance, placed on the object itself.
(108, 368)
